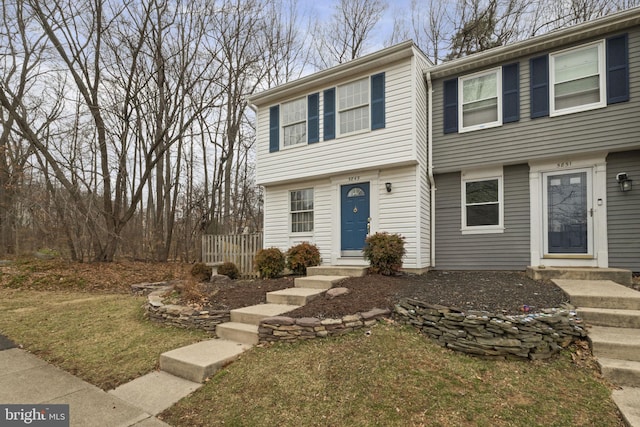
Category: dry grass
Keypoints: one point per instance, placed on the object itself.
(394, 377)
(103, 339)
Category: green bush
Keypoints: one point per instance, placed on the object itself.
(384, 252)
(301, 256)
(229, 269)
(201, 272)
(269, 262)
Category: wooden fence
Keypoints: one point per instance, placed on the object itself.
(237, 248)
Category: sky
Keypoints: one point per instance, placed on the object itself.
(324, 9)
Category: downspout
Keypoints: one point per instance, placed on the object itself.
(432, 181)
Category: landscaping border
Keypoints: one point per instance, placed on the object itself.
(528, 336)
(178, 315)
(282, 328)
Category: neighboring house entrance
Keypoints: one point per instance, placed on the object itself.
(567, 216)
(354, 217)
(568, 199)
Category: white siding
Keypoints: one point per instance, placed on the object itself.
(394, 212)
(394, 144)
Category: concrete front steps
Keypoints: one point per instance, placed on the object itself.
(201, 360)
(613, 313)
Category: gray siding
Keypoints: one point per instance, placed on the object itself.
(504, 251)
(623, 212)
(612, 128)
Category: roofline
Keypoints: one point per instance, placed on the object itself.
(599, 26)
(325, 77)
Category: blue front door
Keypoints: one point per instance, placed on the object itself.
(567, 213)
(354, 217)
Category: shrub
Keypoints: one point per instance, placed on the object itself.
(229, 269)
(201, 272)
(301, 256)
(269, 262)
(384, 252)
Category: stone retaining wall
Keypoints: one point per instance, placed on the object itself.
(530, 336)
(182, 316)
(282, 328)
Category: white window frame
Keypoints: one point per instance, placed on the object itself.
(284, 124)
(602, 80)
(461, 80)
(488, 174)
(340, 111)
(293, 212)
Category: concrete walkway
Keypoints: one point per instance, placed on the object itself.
(26, 379)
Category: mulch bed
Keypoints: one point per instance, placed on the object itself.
(499, 292)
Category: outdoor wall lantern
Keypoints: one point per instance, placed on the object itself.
(624, 181)
(388, 186)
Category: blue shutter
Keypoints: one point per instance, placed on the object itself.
(313, 118)
(377, 102)
(451, 106)
(274, 128)
(329, 114)
(617, 69)
(511, 93)
(539, 76)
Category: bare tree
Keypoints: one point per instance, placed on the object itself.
(344, 37)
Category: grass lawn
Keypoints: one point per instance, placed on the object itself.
(394, 377)
(101, 338)
(80, 318)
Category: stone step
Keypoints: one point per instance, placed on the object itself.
(240, 332)
(580, 273)
(155, 391)
(628, 401)
(600, 294)
(318, 282)
(610, 317)
(197, 362)
(294, 296)
(253, 314)
(615, 343)
(621, 372)
(337, 270)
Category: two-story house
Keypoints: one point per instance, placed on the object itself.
(520, 155)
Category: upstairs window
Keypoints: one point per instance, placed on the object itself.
(294, 122)
(353, 106)
(302, 210)
(577, 79)
(480, 101)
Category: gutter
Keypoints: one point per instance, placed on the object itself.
(432, 181)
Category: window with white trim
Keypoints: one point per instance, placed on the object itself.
(577, 79)
(294, 122)
(301, 203)
(482, 202)
(353, 106)
(480, 100)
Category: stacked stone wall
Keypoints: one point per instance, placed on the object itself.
(282, 328)
(179, 315)
(528, 336)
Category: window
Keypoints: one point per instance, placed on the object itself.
(353, 106)
(480, 100)
(302, 210)
(482, 205)
(294, 122)
(577, 79)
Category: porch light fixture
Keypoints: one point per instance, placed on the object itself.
(624, 181)
(388, 186)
